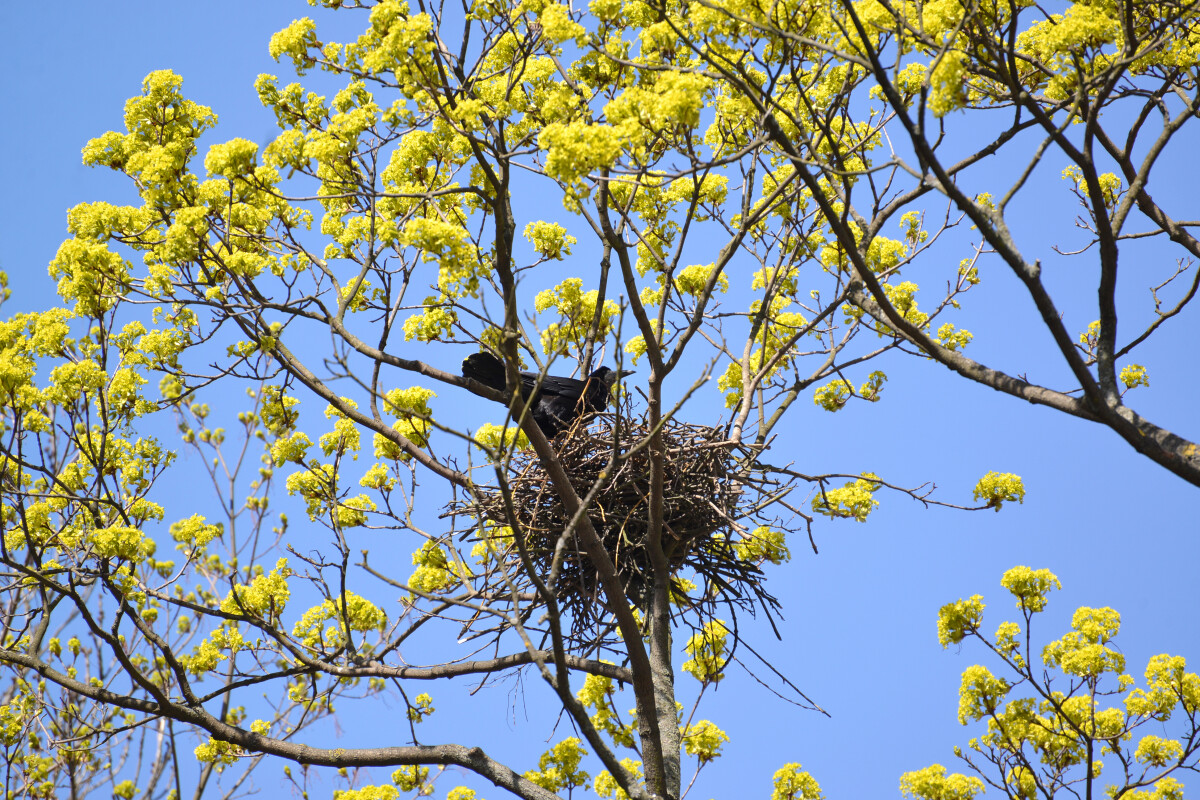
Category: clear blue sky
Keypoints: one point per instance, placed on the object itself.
(859, 627)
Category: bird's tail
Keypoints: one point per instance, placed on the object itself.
(485, 368)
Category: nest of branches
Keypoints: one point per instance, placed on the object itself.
(708, 494)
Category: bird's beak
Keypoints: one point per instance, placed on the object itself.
(627, 372)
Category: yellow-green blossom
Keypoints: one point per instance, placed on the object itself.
(996, 488)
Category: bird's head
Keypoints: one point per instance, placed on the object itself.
(610, 376)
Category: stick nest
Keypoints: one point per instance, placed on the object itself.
(707, 494)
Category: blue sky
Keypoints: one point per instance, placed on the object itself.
(859, 619)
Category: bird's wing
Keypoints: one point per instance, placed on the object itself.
(562, 387)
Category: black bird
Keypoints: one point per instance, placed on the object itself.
(557, 401)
